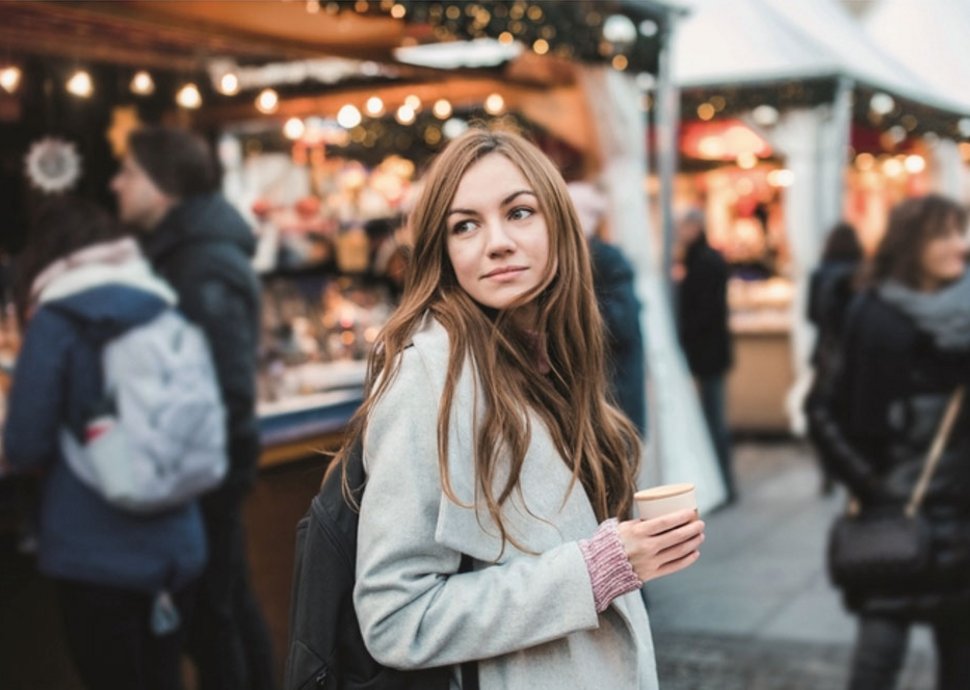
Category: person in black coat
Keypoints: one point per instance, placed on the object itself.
(168, 187)
(830, 289)
(614, 282)
(905, 349)
(702, 318)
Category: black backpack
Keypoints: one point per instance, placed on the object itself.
(326, 647)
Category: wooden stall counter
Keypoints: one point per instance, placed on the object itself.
(762, 374)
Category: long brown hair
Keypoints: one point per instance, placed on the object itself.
(598, 444)
(912, 224)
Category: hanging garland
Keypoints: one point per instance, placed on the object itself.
(599, 31)
(731, 101)
(900, 117)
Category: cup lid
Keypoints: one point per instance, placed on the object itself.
(663, 491)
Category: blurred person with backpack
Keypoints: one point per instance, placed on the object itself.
(168, 187)
(876, 414)
(124, 581)
(497, 528)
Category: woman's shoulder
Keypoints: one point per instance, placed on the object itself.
(876, 321)
(420, 367)
(430, 340)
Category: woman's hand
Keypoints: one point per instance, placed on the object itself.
(663, 545)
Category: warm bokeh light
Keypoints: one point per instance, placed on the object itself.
(10, 78)
(80, 84)
(914, 164)
(189, 97)
(348, 117)
(405, 115)
(374, 106)
(229, 84)
(267, 101)
(294, 129)
(142, 83)
(892, 167)
(865, 161)
(494, 104)
(442, 109)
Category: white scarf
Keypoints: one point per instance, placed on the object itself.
(116, 262)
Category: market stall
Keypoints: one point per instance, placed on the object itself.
(319, 152)
(794, 119)
(929, 39)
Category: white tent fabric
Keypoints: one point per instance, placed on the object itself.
(929, 37)
(680, 447)
(751, 41)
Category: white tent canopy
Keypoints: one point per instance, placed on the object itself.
(930, 37)
(758, 41)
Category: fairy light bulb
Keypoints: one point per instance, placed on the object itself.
(80, 84)
(142, 83)
(189, 97)
(10, 78)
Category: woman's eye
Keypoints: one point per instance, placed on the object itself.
(520, 213)
(462, 227)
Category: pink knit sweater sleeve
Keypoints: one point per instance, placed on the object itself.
(609, 568)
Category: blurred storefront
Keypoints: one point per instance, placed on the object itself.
(323, 114)
(794, 119)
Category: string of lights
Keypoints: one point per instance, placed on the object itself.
(899, 118)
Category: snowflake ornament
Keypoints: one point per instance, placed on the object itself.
(53, 165)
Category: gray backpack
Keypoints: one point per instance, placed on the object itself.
(158, 439)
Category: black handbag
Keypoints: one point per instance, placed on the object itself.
(890, 551)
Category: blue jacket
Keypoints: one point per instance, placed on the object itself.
(58, 374)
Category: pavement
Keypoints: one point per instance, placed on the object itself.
(757, 612)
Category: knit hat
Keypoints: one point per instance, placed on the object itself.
(179, 162)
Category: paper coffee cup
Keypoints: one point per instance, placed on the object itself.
(668, 498)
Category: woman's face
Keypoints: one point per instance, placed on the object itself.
(944, 256)
(498, 242)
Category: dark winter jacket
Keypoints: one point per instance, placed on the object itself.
(613, 281)
(203, 248)
(874, 417)
(56, 380)
(830, 290)
(703, 311)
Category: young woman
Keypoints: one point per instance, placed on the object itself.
(905, 349)
(122, 580)
(487, 433)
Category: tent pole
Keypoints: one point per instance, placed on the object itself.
(667, 123)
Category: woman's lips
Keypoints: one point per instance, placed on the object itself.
(505, 271)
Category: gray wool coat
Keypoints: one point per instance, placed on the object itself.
(528, 617)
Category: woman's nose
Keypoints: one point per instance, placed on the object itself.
(499, 240)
